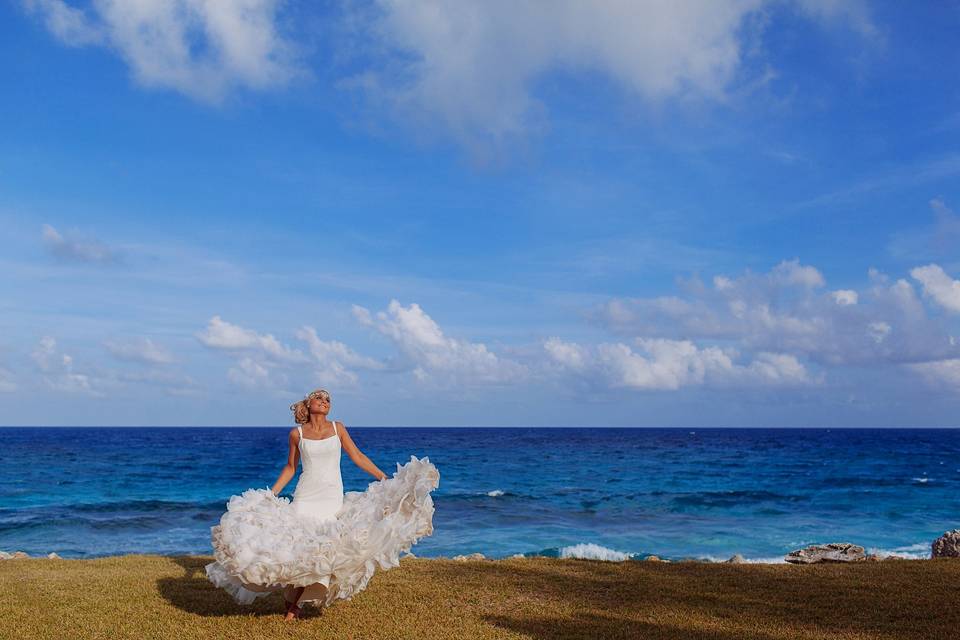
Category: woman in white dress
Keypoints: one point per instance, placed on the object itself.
(324, 544)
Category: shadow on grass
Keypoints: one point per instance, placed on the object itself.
(716, 602)
(611, 627)
(194, 593)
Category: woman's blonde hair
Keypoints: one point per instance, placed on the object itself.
(301, 410)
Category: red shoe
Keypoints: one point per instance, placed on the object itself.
(294, 611)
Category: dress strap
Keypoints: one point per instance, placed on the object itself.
(335, 428)
(300, 431)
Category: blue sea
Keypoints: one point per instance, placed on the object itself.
(586, 492)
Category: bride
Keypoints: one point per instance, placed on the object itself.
(323, 545)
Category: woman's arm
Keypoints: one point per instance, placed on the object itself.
(289, 469)
(358, 456)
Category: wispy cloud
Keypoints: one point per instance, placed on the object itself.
(934, 240)
(59, 373)
(139, 350)
(470, 71)
(76, 249)
(199, 48)
(901, 177)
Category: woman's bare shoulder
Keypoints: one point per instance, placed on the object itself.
(294, 434)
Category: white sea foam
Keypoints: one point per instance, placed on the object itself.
(495, 493)
(773, 560)
(591, 551)
(919, 551)
(922, 480)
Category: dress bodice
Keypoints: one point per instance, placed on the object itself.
(319, 489)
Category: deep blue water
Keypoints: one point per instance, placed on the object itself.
(675, 493)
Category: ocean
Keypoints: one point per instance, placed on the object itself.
(615, 494)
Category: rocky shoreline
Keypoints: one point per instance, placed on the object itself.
(946, 546)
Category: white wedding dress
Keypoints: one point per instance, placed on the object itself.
(325, 540)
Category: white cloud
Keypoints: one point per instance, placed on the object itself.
(851, 12)
(335, 360)
(221, 334)
(791, 272)
(879, 331)
(202, 48)
(431, 355)
(660, 364)
(939, 286)
(844, 297)
(470, 69)
(263, 361)
(69, 24)
(266, 362)
(76, 249)
(783, 311)
(942, 373)
(139, 350)
(58, 370)
(253, 374)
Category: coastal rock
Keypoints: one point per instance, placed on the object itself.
(737, 559)
(655, 559)
(472, 556)
(947, 545)
(518, 555)
(833, 552)
(5, 556)
(20, 554)
(53, 556)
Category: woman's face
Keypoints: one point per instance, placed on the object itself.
(319, 405)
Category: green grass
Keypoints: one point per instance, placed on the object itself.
(141, 596)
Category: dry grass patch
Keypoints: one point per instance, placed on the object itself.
(146, 597)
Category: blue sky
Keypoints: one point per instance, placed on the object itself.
(628, 214)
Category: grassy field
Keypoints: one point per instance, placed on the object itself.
(141, 596)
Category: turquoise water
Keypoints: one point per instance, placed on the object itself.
(612, 493)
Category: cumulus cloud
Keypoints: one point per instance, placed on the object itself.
(943, 289)
(844, 297)
(791, 272)
(139, 350)
(252, 373)
(263, 361)
(785, 311)
(431, 355)
(335, 361)
(58, 370)
(660, 364)
(221, 334)
(76, 249)
(943, 373)
(201, 48)
(470, 70)
(879, 331)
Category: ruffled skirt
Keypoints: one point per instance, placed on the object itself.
(263, 545)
